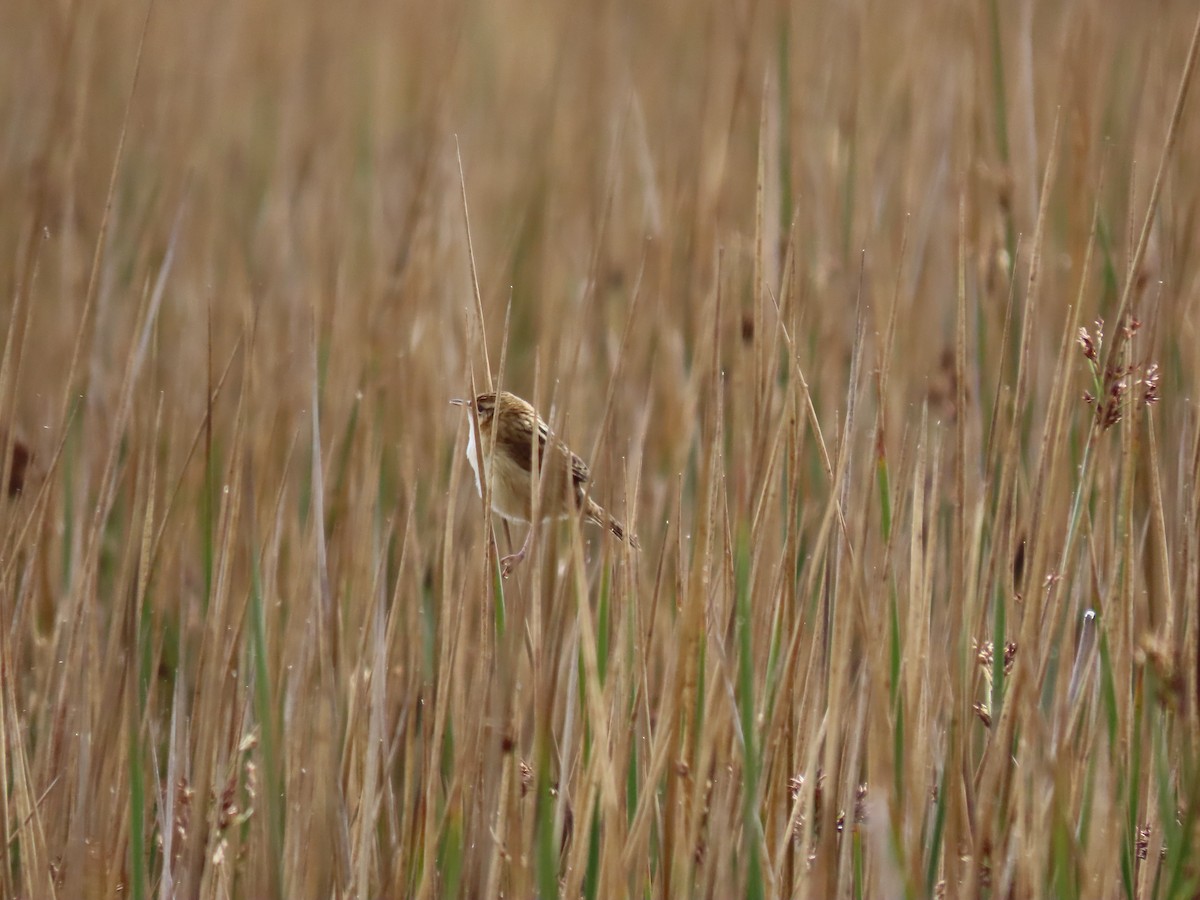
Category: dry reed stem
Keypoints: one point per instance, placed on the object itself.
(816, 321)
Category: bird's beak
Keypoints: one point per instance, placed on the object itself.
(457, 402)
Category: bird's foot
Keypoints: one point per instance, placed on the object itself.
(510, 562)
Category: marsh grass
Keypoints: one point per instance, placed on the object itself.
(911, 616)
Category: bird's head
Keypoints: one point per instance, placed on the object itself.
(484, 406)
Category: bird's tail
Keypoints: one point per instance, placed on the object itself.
(597, 514)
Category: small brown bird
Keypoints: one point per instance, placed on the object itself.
(510, 471)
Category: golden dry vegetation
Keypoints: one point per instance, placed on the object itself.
(805, 282)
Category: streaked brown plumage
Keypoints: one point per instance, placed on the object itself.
(510, 471)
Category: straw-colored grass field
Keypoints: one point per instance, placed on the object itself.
(804, 282)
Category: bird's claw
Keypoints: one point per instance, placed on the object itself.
(510, 562)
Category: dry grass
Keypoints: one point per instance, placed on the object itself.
(910, 617)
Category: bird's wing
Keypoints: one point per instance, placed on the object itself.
(519, 446)
(523, 453)
(580, 473)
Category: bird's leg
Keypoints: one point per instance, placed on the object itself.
(510, 562)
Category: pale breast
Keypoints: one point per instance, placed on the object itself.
(471, 458)
(511, 485)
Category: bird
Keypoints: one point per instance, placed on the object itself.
(509, 425)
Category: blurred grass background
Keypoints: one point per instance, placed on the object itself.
(906, 621)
